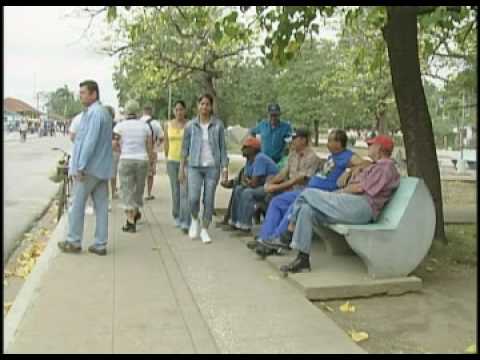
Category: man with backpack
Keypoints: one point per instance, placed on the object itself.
(157, 136)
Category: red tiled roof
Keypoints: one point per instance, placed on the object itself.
(18, 106)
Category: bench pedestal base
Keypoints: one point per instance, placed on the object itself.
(338, 277)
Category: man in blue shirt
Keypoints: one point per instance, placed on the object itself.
(281, 206)
(273, 133)
(258, 169)
(91, 166)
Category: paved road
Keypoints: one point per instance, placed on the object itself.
(27, 189)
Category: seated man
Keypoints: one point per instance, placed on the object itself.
(360, 202)
(281, 206)
(231, 184)
(258, 169)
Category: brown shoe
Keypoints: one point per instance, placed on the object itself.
(68, 247)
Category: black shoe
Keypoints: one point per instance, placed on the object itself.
(263, 251)
(68, 247)
(286, 238)
(129, 227)
(300, 264)
(94, 250)
(276, 244)
(185, 231)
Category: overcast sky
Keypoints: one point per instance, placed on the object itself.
(43, 42)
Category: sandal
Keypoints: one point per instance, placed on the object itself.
(151, 197)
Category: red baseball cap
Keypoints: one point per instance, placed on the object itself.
(384, 140)
(252, 142)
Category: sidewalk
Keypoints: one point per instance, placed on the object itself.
(157, 291)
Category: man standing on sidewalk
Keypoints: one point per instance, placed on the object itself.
(92, 168)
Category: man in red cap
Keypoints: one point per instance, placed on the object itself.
(258, 169)
(360, 202)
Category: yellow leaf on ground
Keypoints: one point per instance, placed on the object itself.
(347, 307)
(272, 277)
(429, 268)
(358, 336)
(435, 261)
(472, 349)
(7, 306)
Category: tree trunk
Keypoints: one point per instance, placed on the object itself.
(400, 34)
(209, 88)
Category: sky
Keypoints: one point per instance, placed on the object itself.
(44, 50)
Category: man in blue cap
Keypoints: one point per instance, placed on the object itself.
(273, 133)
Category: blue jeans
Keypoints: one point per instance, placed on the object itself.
(315, 208)
(243, 205)
(98, 189)
(180, 207)
(278, 213)
(206, 177)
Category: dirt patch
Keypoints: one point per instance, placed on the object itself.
(440, 319)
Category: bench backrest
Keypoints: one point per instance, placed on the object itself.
(396, 207)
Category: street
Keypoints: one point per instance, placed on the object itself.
(27, 188)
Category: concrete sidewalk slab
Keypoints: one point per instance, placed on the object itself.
(157, 291)
(464, 215)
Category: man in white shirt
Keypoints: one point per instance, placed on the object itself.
(158, 136)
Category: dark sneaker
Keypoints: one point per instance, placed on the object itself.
(300, 264)
(252, 244)
(276, 244)
(68, 247)
(263, 251)
(95, 250)
(129, 227)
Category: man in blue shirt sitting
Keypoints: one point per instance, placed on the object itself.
(280, 208)
(258, 169)
(273, 133)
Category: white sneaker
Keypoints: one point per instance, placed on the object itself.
(89, 210)
(193, 232)
(205, 237)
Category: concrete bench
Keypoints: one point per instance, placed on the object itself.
(398, 241)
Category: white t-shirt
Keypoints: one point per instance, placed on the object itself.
(75, 123)
(133, 136)
(157, 131)
(206, 157)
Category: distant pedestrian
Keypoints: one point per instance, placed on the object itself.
(205, 152)
(116, 150)
(92, 168)
(136, 152)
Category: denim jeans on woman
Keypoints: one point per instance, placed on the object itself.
(180, 206)
(205, 178)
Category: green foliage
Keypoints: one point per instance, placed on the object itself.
(63, 102)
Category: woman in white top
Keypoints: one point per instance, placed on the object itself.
(136, 152)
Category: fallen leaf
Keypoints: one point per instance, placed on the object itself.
(358, 336)
(347, 307)
(7, 306)
(156, 248)
(435, 261)
(472, 349)
(429, 268)
(8, 273)
(272, 277)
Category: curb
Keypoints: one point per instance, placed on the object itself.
(30, 289)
